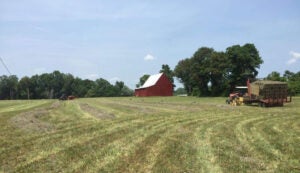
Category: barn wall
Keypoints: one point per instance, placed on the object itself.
(140, 92)
(163, 87)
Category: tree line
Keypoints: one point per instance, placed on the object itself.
(206, 73)
(53, 85)
(212, 73)
(293, 80)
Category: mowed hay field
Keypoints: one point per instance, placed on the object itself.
(157, 134)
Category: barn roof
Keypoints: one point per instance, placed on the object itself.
(151, 80)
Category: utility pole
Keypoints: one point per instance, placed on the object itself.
(10, 90)
(5, 66)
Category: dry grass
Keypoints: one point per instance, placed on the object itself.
(159, 134)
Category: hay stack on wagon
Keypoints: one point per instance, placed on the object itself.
(269, 89)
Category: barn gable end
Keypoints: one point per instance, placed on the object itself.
(156, 85)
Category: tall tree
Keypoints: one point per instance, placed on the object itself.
(211, 73)
(8, 87)
(183, 72)
(168, 72)
(102, 88)
(13, 86)
(218, 69)
(293, 80)
(24, 87)
(68, 80)
(143, 79)
(244, 63)
(122, 89)
(200, 69)
(275, 76)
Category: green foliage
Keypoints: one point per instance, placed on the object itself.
(143, 79)
(213, 73)
(184, 73)
(218, 68)
(201, 73)
(168, 72)
(180, 91)
(275, 76)
(81, 87)
(8, 86)
(243, 63)
(53, 85)
(293, 80)
(24, 88)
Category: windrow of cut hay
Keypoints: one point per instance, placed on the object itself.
(175, 134)
(31, 120)
(97, 113)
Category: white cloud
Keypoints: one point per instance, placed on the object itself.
(294, 59)
(149, 57)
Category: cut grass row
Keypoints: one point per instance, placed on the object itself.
(159, 134)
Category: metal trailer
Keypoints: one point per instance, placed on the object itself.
(263, 92)
(267, 93)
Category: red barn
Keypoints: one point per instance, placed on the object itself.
(156, 85)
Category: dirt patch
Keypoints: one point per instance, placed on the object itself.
(96, 112)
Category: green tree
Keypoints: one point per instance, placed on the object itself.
(102, 88)
(8, 87)
(168, 72)
(126, 91)
(38, 87)
(275, 76)
(183, 73)
(68, 80)
(211, 73)
(13, 86)
(289, 76)
(53, 85)
(122, 89)
(244, 63)
(119, 85)
(143, 79)
(218, 69)
(200, 69)
(180, 91)
(24, 87)
(293, 80)
(81, 87)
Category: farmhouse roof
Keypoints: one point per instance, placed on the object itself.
(152, 80)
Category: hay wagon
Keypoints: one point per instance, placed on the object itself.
(263, 92)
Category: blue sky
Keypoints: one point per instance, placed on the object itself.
(124, 39)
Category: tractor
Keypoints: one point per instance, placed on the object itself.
(263, 92)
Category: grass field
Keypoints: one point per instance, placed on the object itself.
(159, 134)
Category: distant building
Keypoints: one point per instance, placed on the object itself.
(156, 85)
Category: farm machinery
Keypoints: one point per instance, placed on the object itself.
(263, 92)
